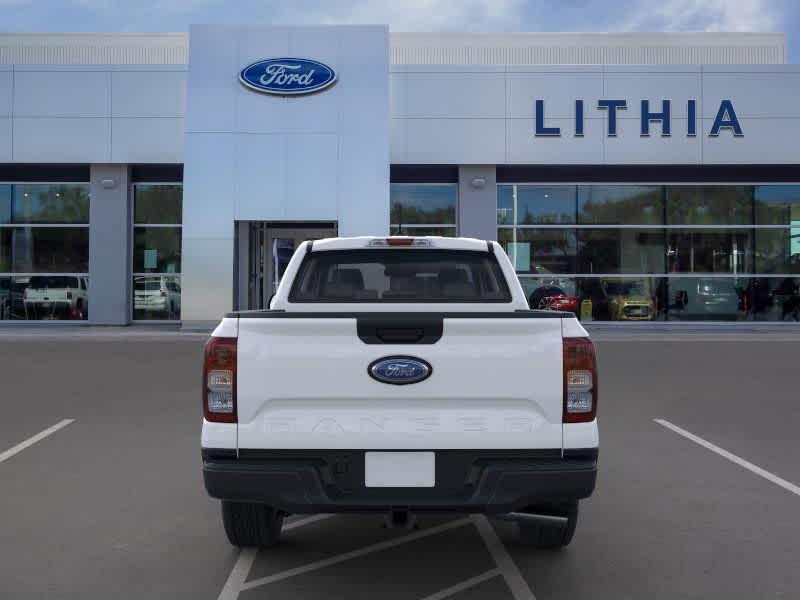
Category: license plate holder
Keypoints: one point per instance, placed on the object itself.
(399, 469)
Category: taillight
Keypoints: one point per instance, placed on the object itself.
(219, 380)
(580, 380)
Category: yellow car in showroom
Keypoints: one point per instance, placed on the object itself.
(628, 299)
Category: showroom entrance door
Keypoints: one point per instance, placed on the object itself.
(270, 247)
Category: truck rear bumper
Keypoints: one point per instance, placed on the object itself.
(332, 481)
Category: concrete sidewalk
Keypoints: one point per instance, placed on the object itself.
(699, 331)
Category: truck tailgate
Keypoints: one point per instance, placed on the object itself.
(303, 383)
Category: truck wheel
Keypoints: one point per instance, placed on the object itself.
(251, 524)
(548, 536)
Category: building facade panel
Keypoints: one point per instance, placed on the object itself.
(312, 162)
(453, 95)
(147, 140)
(61, 139)
(6, 137)
(454, 141)
(264, 154)
(771, 94)
(557, 90)
(628, 147)
(764, 141)
(567, 148)
(78, 93)
(655, 87)
(210, 179)
(132, 93)
(370, 214)
(320, 137)
(6, 91)
(210, 96)
(109, 240)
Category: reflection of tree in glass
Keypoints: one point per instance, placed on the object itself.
(423, 204)
(412, 215)
(158, 204)
(43, 203)
(709, 205)
(626, 205)
(166, 241)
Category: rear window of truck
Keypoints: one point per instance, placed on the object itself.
(399, 275)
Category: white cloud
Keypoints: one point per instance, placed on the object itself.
(705, 15)
(416, 15)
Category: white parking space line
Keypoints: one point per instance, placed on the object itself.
(246, 558)
(4, 456)
(787, 485)
(508, 568)
(464, 585)
(232, 587)
(304, 521)
(385, 545)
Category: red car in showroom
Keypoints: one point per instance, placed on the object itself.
(552, 297)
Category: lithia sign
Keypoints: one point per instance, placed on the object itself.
(726, 119)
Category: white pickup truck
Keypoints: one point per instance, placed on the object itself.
(400, 375)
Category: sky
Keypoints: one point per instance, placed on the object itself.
(414, 15)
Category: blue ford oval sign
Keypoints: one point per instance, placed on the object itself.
(400, 370)
(287, 76)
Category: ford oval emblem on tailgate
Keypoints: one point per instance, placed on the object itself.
(400, 370)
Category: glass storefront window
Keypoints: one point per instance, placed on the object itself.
(44, 251)
(620, 204)
(540, 251)
(5, 203)
(621, 251)
(710, 251)
(550, 293)
(778, 250)
(778, 205)
(536, 204)
(44, 204)
(709, 205)
(410, 230)
(44, 297)
(158, 204)
(157, 213)
(708, 299)
(774, 299)
(156, 297)
(667, 298)
(623, 298)
(157, 250)
(719, 252)
(424, 204)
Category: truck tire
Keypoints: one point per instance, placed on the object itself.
(548, 536)
(251, 524)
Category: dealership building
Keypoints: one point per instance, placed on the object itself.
(169, 177)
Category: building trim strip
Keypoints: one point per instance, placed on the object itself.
(708, 174)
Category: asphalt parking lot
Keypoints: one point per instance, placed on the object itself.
(110, 502)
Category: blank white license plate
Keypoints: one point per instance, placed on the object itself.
(399, 469)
